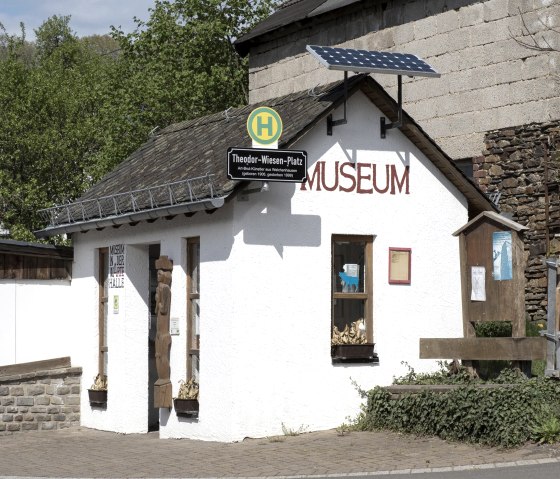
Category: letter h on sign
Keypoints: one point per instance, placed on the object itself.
(262, 125)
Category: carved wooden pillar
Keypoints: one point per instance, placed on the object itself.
(162, 388)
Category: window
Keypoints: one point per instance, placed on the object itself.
(352, 290)
(103, 282)
(193, 308)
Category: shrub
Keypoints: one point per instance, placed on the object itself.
(506, 415)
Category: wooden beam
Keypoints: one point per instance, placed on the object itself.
(483, 348)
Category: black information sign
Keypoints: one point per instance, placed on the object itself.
(267, 165)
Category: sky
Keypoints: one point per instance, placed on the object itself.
(88, 17)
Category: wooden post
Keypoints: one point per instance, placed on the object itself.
(163, 396)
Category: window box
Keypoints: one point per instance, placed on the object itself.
(354, 353)
(97, 397)
(186, 407)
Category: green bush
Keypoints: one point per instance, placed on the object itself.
(502, 416)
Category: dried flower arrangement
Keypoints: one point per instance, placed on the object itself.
(355, 334)
(99, 383)
(188, 390)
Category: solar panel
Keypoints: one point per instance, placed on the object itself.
(364, 61)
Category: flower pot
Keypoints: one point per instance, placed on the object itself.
(97, 397)
(357, 353)
(186, 407)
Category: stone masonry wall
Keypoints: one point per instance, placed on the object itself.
(488, 80)
(40, 401)
(513, 165)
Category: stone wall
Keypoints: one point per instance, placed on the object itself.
(40, 401)
(513, 165)
(488, 80)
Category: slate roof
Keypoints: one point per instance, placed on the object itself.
(196, 148)
(291, 11)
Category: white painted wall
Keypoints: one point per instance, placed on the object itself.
(265, 294)
(37, 321)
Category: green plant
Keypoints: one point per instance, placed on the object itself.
(503, 415)
(546, 427)
(493, 329)
(293, 432)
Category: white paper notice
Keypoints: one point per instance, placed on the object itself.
(478, 291)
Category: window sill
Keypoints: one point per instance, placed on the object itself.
(354, 353)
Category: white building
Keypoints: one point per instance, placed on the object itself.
(257, 276)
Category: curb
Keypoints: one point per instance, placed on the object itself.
(496, 465)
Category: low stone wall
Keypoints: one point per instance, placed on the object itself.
(41, 400)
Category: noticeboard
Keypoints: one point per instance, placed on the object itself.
(267, 165)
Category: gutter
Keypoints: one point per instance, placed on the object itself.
(129, 218)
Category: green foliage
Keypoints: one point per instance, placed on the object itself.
(493, 329)
(448, 373)
(72, 108)
(546, 428)
(506, 415)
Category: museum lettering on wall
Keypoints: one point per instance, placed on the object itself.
(362, 178)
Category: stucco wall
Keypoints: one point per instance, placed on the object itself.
(488, 80)
(265, 294)
(37, 321)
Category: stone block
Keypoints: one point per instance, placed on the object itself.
(48, 426)
(35, 390)
(75, 389)
(66, 410)
(25, 401)
(43, 417)
(2, 427)
(18, 417)
(16, 391)
(72, 400)
(74, 417)
(43, 401)
(471, 15)
(447, 21)
(8, 401)
(4, 390)
(29, 417)
(59, 417)
(495, 9)
(7, 417)
(53, 410)
(403, 35)
(64, 425)
(13, 427)
(62, 390)
(57, 400)
(30, 426)
(72, 380)
(38, 410)
(11, 409)
(424, 28)
(1, 409)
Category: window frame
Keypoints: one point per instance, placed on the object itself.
(367, 295)
(191, 297)
(103, 300)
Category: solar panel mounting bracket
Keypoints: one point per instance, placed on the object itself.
(396, 124)
(332, 123)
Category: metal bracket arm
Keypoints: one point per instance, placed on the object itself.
(397, 124)
(332, 123)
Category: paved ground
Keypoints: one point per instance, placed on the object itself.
(82, 452)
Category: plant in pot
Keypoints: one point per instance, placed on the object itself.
(98, 391)
(351, 344)
(186, 402)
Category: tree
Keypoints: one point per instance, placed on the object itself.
(74, 108)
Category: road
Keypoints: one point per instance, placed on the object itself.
(538, 471)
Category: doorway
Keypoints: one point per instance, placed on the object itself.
(153, 413)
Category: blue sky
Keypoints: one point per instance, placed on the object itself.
(88, 16)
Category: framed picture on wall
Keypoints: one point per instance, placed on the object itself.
(399, 265)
